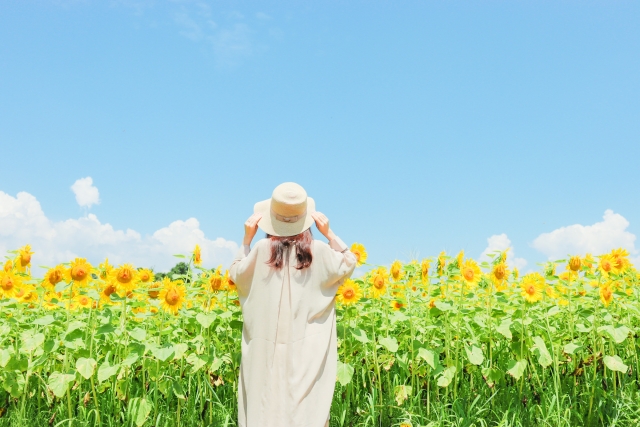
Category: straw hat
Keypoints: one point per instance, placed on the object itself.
(287, 212)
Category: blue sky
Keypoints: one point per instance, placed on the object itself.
(417, 126)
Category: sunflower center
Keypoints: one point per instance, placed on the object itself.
(145, 277)
(172, 297)
(19, 293)
(349, 293)
(124, 276)
(499, 272)
(55, 277)
(606, 266)
(606, 293)
(530, 289)
(215, 282)
(358, 255)
(25, 259)
(109, 290)
(378, 282)
(7, 283)
(468, 274)
(78, 273)
(153, 291)
(84, 300)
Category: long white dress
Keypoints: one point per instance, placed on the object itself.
(289, 345)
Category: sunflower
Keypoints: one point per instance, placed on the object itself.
(172, 296)
(620, 259)
(606, 294)
(79, 272)
(499, 273)
(52, 277)
(215, 282)
(441, 263)
(8, 266)
(396, 271)
(459, 259)
(379, 279)
(145, 275)
(349, 293)
(23, 261)
(515, 273)
(228, 284)
(26, 293)
(532, 286)
(574, 263)
(551, 293)
(84, 301)
(108, 288)
(154, 290)
(197, 255)
(360, 252)
(424, 270)
(471, 273)
(568, 275)
(587, 263)
(9, 284)
(397, 304)
(105, 269)
(126, 279)
(606, 265)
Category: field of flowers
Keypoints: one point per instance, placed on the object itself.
(438, 342)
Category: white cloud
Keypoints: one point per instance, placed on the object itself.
(500, 242)
(22, 221)
(86, 193)
(596, 239)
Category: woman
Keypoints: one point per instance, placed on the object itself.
(286, 285)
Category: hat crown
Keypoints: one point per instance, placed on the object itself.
(289, 199)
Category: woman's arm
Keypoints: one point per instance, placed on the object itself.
(243, 265)
(342, 261)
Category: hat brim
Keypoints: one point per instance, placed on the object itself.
(270, 225)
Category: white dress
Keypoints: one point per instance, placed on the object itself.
(289, 346)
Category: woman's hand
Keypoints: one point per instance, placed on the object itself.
(251, 228)
(322, 222)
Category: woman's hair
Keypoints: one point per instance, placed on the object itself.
(302, 244)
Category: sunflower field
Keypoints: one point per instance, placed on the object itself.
(444, 341)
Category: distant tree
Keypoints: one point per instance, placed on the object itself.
(179, 268)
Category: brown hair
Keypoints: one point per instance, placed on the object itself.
(302, 244)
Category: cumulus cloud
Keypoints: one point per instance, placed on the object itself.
(86, 193)
(500, 242)
(22, 221)
(596, 239)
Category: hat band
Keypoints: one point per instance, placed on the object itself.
(289, 219)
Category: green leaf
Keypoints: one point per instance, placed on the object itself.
(540, 349)
(205, 320)
(570, 348)
(44, 321)
(179, 350)
(179, 256)
(491, 376)
(474, 354)
(86, 367)
(106, 371)
(236, 324)
(553, 311)
(131, 359)
(344, 373)
(178, 390)
(59, 383)
(5, 356)
(163, 353)
(390, 344)
(139, 410)
(429, 356)
(31, 342)
(138, 334)
(447, 376)
(196, 361)
(516, 369)
(105, 329)
(360, 335)
(615, 363)
(504, 328)
(618, 334)
(443, 306)
(61, 287)
(402, 393)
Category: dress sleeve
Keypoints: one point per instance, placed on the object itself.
(243, 267)
(341, 261)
